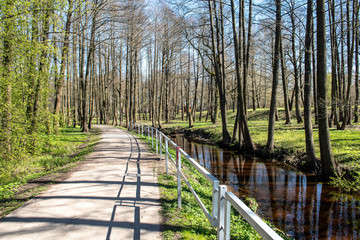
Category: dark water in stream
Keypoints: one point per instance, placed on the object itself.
(292, 201)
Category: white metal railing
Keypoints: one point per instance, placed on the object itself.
(222, 200)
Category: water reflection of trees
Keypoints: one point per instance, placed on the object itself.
(294, 202)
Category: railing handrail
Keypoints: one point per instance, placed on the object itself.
(252, 218)
(200, 168)
(222, 200)
(214, 182)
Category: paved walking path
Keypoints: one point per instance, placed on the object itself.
(113, 196)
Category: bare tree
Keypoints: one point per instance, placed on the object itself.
(328, 164)
(271, 128)
(241, 116)
(310, 149)
(217, 46)
(64, 58)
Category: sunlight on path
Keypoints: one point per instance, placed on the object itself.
(113, 195)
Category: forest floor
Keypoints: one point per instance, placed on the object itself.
(289, 139)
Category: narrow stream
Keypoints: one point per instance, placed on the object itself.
(294, 202)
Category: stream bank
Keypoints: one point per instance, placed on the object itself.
(281, 156)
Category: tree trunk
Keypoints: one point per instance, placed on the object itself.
(196, 73)
(86, 79)
(284, 83)
(135, 85)
(295, 63)
(64, 56)
(154, 80)
(215, 110)
(350, 54)
(91, 100)
(341, 77)
(187, 89)
(242, 124)
(357, 97)
(219, 76)
(334, 74)
(328, 164)
(314, 77)
(246, 51)
(310, 149)
(75, 81)
(167, 90)
(120, 85)
(271, 128)
(202, 94)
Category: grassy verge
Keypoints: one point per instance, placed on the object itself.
(189, 222)
(24, 179)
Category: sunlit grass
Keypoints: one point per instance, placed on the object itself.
(54, 152)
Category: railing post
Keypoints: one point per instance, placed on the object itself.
(227, 219)
(157, 141)
(160, 143)
(152, 137)
(167, 156)
(178, 165)
(148, 133)
(215, 203)
(221, 212)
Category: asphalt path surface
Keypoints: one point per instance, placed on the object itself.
(112, 195)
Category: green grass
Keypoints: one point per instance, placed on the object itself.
(56, 153)
(189, 222)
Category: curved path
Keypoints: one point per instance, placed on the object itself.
(113, 195)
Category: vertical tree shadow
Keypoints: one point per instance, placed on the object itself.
(136, 234)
